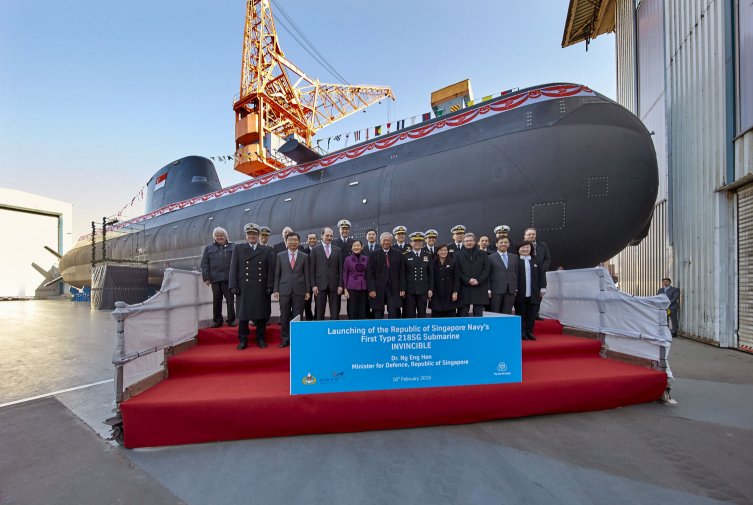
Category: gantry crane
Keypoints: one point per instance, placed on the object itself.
(278, 100)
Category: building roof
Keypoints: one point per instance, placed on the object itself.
(587, 19)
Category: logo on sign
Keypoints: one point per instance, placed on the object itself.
(502, 369)
(309, 380)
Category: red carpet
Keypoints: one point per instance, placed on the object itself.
(215, 393)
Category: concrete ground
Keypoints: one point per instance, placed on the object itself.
(698, 451)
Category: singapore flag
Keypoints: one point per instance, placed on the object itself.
(160, 182)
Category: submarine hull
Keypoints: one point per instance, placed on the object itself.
(577, 166)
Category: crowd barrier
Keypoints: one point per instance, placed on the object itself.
(145, 331)
(587, 299)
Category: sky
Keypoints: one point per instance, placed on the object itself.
(95, 96)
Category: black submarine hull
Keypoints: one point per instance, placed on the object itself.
(577, 166)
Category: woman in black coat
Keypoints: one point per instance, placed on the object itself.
(531, 287)
(444, 300)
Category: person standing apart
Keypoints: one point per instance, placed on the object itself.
(326, 275)
(673, 294)
(385, 277)
(444, 299)
(292, 284)
(473, 267)
(215, 270)
(252, 270)
(354, 281)
(531, 288)
(503, 281)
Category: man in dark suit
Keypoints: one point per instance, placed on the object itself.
(385, 278)
(531, 288)
(311, 241)
(473, 268)
(326, 272)
(292, 284)
(458, 232)
(673, 294)
(371, 244)
(400, 243)
(503, 280)
(540, 249)
(419, 277)
(252, 269)
(344, 242)
(283, 245)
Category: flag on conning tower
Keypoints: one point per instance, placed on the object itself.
(160, 182)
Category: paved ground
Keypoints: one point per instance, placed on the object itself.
(699, 451)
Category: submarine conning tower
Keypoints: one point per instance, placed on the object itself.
(180, 180)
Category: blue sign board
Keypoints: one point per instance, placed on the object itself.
(367, 355)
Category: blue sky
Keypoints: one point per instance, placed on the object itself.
(96, 96)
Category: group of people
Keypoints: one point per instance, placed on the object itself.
(399, 274)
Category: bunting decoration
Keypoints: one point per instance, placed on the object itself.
(342, 140)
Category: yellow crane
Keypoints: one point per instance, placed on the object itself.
(278, 100)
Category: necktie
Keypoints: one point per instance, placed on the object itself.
(292, 261)
(504, 257)
(387, 258)
(326, 250)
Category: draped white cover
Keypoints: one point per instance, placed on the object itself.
(171, 316)
(588, 299)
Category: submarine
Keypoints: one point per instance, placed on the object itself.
(559, 157)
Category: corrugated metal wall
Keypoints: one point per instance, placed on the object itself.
(702, 220)
(745, 64)
(625, 53)
(745, 284)
(641, 268)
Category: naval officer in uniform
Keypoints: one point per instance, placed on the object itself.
(400, 243)
(344, 241)
(458, 233)
(419, 277)
(431, 241)
(252, 269)
(264, 232)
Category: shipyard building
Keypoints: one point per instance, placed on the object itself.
(28, 224)
(685, 68)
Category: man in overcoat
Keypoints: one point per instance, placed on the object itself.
(252, 281)
(473, 268)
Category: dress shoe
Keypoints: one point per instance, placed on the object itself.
(232, 323)
(216, 325)
(261, 343)
(531, 337)
(242, 346)
(284, 343)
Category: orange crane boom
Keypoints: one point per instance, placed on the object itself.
(277, 99)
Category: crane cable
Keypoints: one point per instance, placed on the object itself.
(305, 43)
